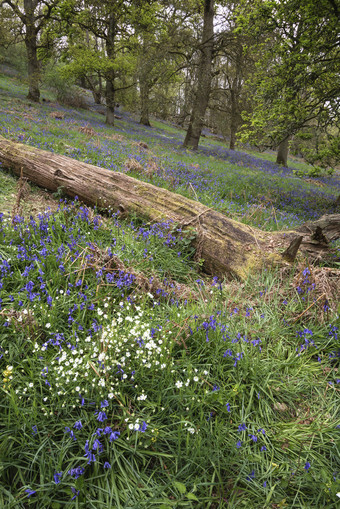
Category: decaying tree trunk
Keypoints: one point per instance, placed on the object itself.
(225, 245)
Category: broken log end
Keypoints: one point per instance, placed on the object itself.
(290, 253)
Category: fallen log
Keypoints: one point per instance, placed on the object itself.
(227, 247)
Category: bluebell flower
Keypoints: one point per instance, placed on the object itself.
(78, 425)
(57, 476)
(242, 427)
(307, 466)
(91, 457)
(228, 407)
(114, 435)
(97, 446)
(34, 430)
(76, 493)
(101, 416)
(107, 464)
(76, 472)
(88, 454)
(251, 476)
(30, 492)
(72, 435)
(239, 444)
(143, 427)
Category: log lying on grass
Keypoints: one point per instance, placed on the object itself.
(226, 246)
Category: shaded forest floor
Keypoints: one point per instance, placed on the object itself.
(132, 380)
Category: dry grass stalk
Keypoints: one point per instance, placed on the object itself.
(27, 116)
(88, 130)
(320, 284)
(57, 115)
(133, 165)
(115, 137)
(151, 168)
(142, 146)
(20, 318)
(23, 190)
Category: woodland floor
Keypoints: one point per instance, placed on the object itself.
(131, 379)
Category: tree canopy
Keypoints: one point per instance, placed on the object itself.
(296, 83)
(202, 64)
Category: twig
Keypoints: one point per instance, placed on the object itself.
(305, 311)
(193, 191)
(274, 214)
(186, 223)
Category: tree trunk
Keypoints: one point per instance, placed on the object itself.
(144, 99)
(225, 245)
(110, 77)
(235, 90)
(185, 106)
(33, 68)
(82, 81)
(110, 102)
(97, 97)
(233, 120)
(96, 93)
(282, 152)
(100, 88)
(203, 79)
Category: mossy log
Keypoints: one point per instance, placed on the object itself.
(227, 247)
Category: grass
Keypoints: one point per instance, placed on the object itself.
(130, 379)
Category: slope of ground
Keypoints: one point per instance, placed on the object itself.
(131, 381)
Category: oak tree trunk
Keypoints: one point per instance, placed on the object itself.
(110, 76)
(144, 99)
(233, 119)
(282, 152)
(226, 246)
(203, 79)
(33, 68)
(97, 96)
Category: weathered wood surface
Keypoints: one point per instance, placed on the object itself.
(225, 245)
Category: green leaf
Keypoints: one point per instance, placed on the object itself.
(180, 486)
(191, 496)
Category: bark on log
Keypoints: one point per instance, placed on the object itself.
(225, 245)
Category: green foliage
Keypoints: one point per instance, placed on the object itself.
(296, 82)
(314, 171)
(57, 78)
(15, 58)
